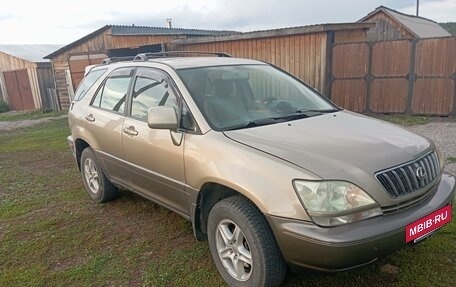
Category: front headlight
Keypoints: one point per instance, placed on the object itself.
(331, 203)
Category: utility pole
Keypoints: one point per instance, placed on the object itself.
(417, 7)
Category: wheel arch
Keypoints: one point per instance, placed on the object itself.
(209, 194)
(80, 145)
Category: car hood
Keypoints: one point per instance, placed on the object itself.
(341, 145)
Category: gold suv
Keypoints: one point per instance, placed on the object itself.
(270, 172)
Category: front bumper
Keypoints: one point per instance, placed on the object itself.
(303, 244)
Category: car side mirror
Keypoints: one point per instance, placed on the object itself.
(163, 118)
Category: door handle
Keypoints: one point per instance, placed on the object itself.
(90, 118)
(130, 131)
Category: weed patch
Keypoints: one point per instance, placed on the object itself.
(405, 120)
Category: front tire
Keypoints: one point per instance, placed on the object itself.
(96, 183)
(243, 246)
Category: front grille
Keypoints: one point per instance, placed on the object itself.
(389, 209)
(403, 179)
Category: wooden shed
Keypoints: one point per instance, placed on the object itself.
(305, 52)
(302, 51)
(111, 41)
(394, 25)
(26, 79)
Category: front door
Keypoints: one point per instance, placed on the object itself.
(156, 165)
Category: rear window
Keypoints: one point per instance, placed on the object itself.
(113, 92)
(87, 83)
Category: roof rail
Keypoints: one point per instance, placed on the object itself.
(107, 61)
(145, 56)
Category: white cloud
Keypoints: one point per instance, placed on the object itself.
(64, 21)
(437, 10)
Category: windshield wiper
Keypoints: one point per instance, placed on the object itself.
(327, 111)
(299, 114)
(251, 124)
(304, 113)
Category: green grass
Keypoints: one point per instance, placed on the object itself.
(52, 234)
(451, 159)
(53, 132)
(405, 120)
(17, 116)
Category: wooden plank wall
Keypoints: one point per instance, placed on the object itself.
(386, 29)
(301, 55)
(116, 42)
(78, 64)
(3, 89)
(61, 83)
(11, 63)
(3, 92)
(412, 77)
(12, 90)
(350, 36)
(435, 70)
(390, 68)
(19, 90)
(349, 69)
(34, 85)
(46, 84)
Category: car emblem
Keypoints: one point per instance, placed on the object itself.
(420, 173)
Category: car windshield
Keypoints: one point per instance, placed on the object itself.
(243, 96)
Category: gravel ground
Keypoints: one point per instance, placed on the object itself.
(443, 133)
(9, 126)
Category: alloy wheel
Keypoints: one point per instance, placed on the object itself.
(234, 250)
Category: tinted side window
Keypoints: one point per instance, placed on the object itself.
(113, 92)
(150, 90)
(87, 83)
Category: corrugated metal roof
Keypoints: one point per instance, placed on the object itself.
(278, 32)
(31, 53)
(118, 30)
(145, 30)
(419, 26)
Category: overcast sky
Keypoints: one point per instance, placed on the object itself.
(64, 21)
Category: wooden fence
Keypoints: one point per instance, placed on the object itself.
(410, 77)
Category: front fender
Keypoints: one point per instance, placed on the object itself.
(264, 179)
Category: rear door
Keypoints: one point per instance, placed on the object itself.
(156, 165)
(104, 121)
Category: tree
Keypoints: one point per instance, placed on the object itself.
(450, 27)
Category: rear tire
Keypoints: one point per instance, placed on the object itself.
(243, 246)
(96, 183)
